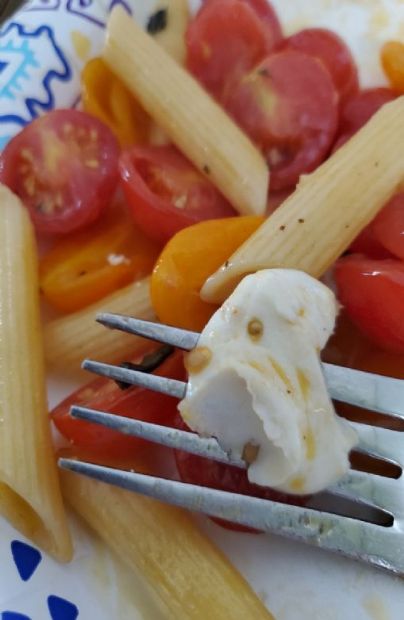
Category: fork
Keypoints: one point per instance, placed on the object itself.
(361, 516)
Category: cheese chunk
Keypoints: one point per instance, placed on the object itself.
(256, 383)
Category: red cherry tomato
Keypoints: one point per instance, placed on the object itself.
(388, 227)
(360, 109)
(165, 193)
(333, 52)
(134, 402)
(197, 470)
(224, 41)
(64, 167)
(289, 107)
(372, 292)
(367, 244)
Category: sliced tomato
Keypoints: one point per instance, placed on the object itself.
(64, 167)
(207, 473)
(93, 263)
(165, 193)
(359, 109)
(367, 244)
(225, 40)
(372, 292)
(392, 57)
(289, 107)
(187, 261)
(335, 55)
(388, 227)
(134, 402)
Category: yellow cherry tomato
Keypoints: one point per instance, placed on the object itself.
(187, 260)
(392, 57)
(107, 98)
(89, 265)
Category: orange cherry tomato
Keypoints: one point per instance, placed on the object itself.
(85, 267)
(187, 260)
(107, 98)
(392, 57)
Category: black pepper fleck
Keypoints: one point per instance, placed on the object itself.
(226, 264)
(206, 169)
(282, 227)
(158, 21)
(82, 273)
(264, 72)
(300, 220)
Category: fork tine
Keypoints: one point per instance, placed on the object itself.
(345, 535)
(163, 435)
(171, 387)
(384, 493)
(367, 390)
(381, 442)
(181, 338)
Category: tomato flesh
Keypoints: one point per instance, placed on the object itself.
(134, 402)
(224, 41)
(372, 292)
(333, 53)
(64, 167)
(288, 105)
(165, 193)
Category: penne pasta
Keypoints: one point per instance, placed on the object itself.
(70, 339)
(188, 574)
(328, 209)
(189, 116)
(172, 36)
(172, 39)
(29, 487)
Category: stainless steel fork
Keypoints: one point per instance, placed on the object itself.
(361, 517)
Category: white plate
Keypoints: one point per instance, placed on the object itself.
(295, 581)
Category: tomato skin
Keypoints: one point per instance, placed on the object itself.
(335, 55)
(225, 40)
(105, 395)
(207, 473)
(372, 292)
(91, 264)
(388, 226)
(366, 243)
(289, 107)
(185, 263)
(165, 193)
(64, 167)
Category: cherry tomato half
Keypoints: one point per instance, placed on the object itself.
(392, 57)
(187, 260)
(225, 40)
(165, 193)
(288, 105)
(335, 55)
(388, 227)
(134, 402)
(359, 110)
(64, 167)
(93, 263)
(197, 470)
(372, 292)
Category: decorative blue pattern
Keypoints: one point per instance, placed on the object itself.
(26, 558)
(43, 5)
(88, 9)
(17, 48)
(60, 609)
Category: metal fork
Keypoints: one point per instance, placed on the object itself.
(361, 517)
